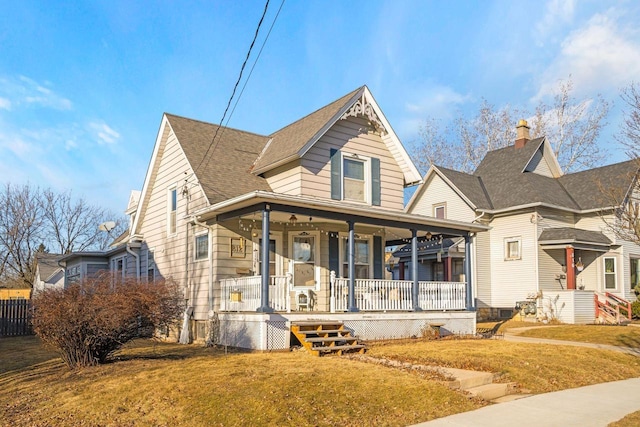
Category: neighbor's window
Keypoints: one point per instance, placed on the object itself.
(119, 267)
(73, 274)
(362, 263)
(610, 273)
(172, 206)
(512, 248)
(202, 246)
(439, 211)
(354, 182)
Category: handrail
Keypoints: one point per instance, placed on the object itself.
(621, 301)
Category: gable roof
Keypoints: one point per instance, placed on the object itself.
(48, 265)
(597, 188)
(226, 171)
(503, 181)
(293, 141)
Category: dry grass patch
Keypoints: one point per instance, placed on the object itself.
(631, 420)
(624, 336)
(535, 367)
(156, 384)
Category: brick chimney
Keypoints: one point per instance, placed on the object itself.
(522, 134)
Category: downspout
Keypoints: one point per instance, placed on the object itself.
(185, 335)
(137, 257)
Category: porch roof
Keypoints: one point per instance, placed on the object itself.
(578, 238)
(340, 211)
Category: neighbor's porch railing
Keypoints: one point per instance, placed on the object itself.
(244, 293)
(395, 295)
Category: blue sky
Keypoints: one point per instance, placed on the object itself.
(83, 84)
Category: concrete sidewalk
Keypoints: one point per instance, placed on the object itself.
(595, 405)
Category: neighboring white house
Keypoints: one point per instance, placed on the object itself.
(262, 231)
(548, 242)
(49, 273)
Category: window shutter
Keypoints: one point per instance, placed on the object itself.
(334, 252)
(336, 174)
(378, 255)
(375, 181)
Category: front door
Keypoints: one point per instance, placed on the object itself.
(305, 259)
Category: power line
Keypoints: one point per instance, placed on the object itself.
(266, 6)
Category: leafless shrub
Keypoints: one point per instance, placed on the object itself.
(88, 321)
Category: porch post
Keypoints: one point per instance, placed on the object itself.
(569, 261)
(351, 258)
(264, 258)
(414, 270)
(467, 271)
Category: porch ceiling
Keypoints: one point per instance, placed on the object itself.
(282, 206)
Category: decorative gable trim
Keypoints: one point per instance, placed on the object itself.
(363, 108)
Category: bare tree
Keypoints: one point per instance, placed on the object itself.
(572, 128)
(33, 220)
(625, 224)
(73, 223)
(21, 232)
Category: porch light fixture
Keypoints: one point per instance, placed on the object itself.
(293, 219)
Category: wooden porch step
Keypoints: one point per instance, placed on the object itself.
(332, 337)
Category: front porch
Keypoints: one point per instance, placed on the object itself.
(244, 294)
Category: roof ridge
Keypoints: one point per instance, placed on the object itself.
(602, 167)
(318, 109)
(213, 124)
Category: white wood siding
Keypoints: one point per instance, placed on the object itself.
(539, 165)
(512, 280)
(483, 269)
(351, 136)
(172, 253)
(286, 179)
(437, 191)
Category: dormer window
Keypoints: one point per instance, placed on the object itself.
(355, 178)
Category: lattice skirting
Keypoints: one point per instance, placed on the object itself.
(271, 331)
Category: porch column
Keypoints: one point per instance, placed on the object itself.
(414, 270)
(264, 258)
(569, 262)
(351, 259)
(468, 275)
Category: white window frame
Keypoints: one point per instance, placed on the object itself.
(507, 255)
(172, 214)
(367, 176)
(344, 241)
(273, 235)
(196, 237)
(316, 260)
(613, 274)
(114, 266)
(150, 259)
(442, 206)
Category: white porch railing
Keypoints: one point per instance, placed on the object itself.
(395, 295)
(244, 293)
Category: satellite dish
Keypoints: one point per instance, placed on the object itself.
(107, 226)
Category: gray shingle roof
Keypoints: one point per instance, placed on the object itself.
(596, 188)
(226, 173)
(500, 183)
(568, 235)
(288, 141)
(470, 185)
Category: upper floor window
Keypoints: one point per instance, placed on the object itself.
(512, 248)
(201, 246)
(355, 178)
(610, 273)
(439, 211)
(172, 207)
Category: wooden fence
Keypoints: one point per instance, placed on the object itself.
(15, 317)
